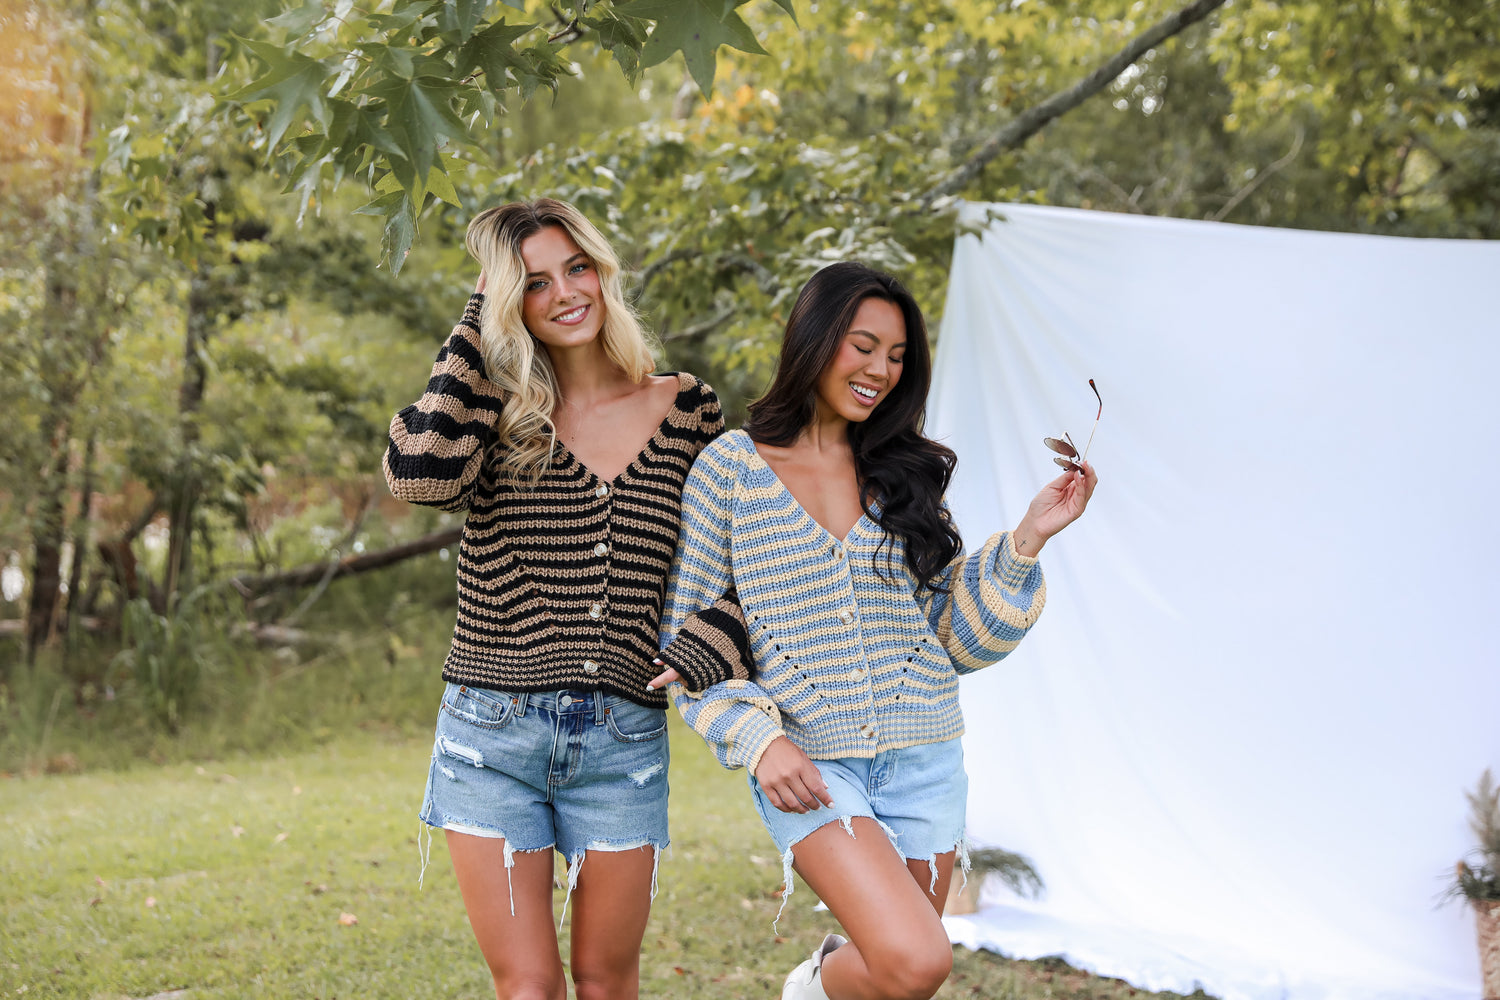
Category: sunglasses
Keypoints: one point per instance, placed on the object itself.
(1067, 452)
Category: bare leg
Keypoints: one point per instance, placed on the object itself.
(898, 949)
(923, 874)
(520, 949)
(610, 908)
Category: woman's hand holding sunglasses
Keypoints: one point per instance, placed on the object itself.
(1062, 501)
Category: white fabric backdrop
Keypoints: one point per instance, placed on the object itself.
(1237, 742)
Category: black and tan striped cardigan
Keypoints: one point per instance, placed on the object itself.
(560, 586)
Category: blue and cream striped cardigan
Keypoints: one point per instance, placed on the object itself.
(847, 659)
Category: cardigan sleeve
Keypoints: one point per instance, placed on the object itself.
(987, 604)
(437, 444)
(712, 645)
(703, 629)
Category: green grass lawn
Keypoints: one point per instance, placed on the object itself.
(229, 879)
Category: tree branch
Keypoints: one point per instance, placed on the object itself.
(700, 329)
(305, 576)
(1259, 179)
(1034, 119)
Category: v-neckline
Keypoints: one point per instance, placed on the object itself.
(650, 442)
(864, 515)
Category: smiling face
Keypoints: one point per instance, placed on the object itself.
(561, 302)
(867, 365)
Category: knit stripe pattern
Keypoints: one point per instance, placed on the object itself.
(560, 586)
(849, 660)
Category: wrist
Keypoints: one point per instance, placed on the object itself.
(1027, 539)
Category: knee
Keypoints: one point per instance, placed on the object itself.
(598, 978)
(605, 987)
(513, 988)
(915, 972)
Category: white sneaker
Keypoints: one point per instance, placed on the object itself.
(805, 982)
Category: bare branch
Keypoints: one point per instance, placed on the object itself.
(1034, 119)
(1259, 179)
(315, 573)
(650, 271)
(700, 329)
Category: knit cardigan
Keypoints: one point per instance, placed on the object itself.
(845, 658)
(559, 586)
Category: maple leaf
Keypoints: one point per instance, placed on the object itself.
(293, 81)
(490, 50)
(696, 29)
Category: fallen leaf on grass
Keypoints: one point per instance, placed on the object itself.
(347, 920)
(279, 837)
(150, 901)
(237, 830)
(296, 789)
(679, 970)
(95, 901)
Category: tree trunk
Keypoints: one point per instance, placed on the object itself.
(184, 494)
(46, 541)
(81, 524)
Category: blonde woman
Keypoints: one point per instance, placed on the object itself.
(542, 419)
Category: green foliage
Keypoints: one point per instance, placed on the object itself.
(165, 655)
(1014, 870)
(1481, 881)
(384, 94)
(371, 663)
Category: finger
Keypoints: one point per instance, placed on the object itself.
(814, 790)
(791, 801)
(801, 788)
(667, 676)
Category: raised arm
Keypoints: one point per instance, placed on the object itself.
(437, 444)
(987, 602)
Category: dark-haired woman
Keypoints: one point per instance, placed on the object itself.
(820, 611)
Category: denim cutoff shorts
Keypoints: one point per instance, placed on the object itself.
(919, 796)
(575, 770)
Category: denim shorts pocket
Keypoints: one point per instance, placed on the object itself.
(632, 723)
(478, 707)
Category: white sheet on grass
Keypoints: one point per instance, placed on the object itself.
(1237, 742)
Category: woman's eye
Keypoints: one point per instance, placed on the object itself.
(578, 267)
(535, 285)
(863, 350)
(897, 361)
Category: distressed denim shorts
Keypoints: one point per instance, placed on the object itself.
(919, 796)
(575, 770)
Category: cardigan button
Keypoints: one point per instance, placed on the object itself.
(867, 731)
(596, 610)
(601, 549)
(846, 616)
(858, 673)
(602, 491)
(590, 667)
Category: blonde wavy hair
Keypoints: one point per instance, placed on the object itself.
(513, 359)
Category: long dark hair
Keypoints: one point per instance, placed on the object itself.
(905, 472)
